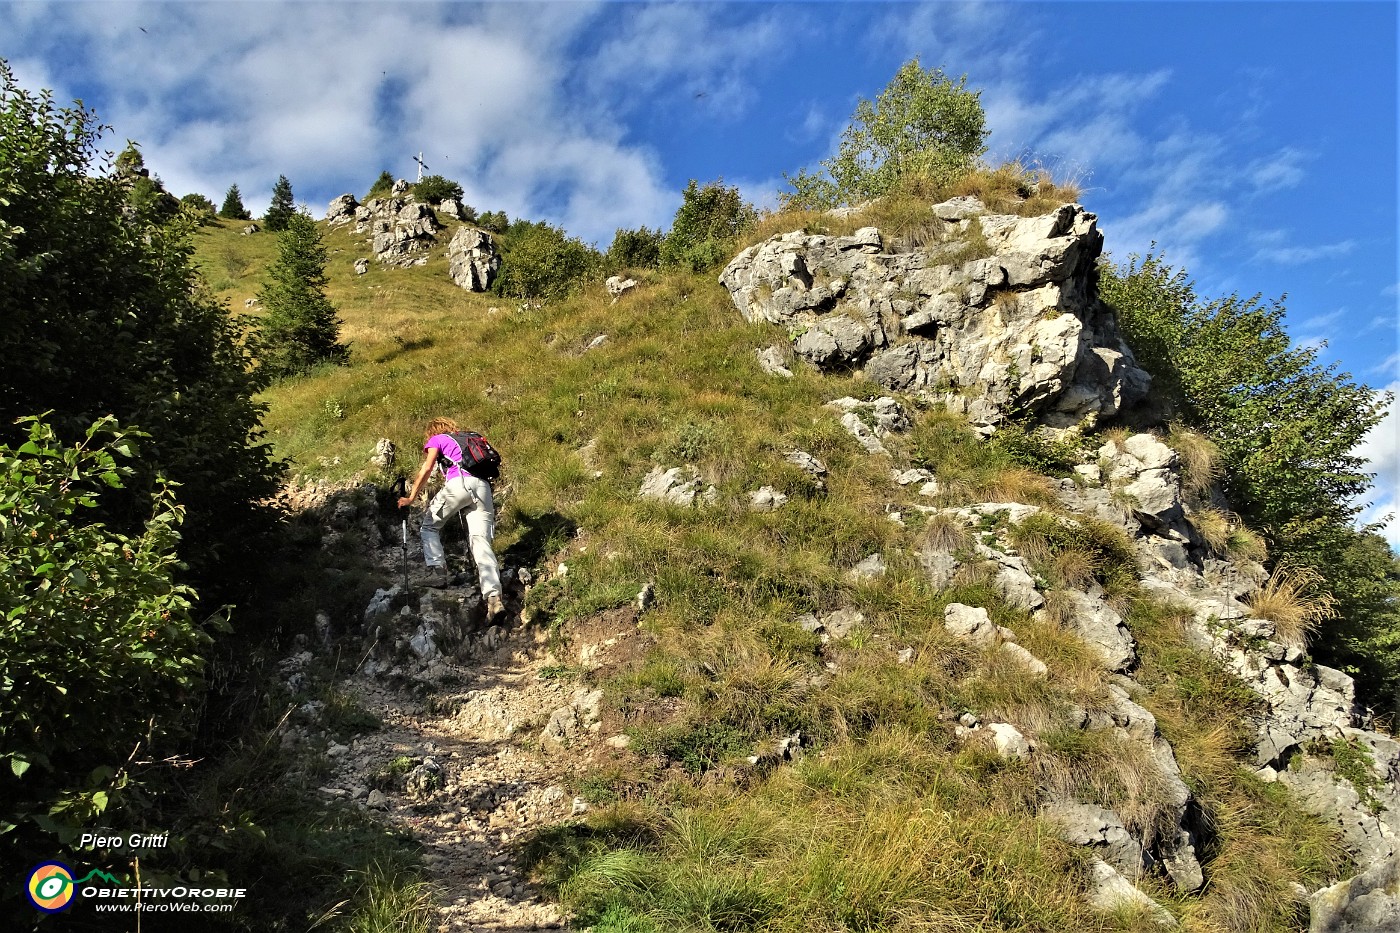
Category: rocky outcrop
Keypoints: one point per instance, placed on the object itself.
(1368, 903)
(868, 422)
(341, 211)
(472, 258)
(996, 314)
(404, 231)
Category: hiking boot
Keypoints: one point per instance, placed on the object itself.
(494, 609)
(436, 578)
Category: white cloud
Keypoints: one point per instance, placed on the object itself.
(1381, 451)
(1281, 170)
(506, 99)
(1293, 255)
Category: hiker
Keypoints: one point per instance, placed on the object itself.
(460, 490)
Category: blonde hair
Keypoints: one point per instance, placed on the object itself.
(441, 426)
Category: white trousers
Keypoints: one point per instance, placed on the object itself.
(472, 494)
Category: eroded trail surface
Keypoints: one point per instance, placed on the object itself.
(482, 728)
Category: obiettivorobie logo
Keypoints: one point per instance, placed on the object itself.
(52, 888)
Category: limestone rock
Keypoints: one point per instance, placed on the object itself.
(1084, 824)
(361, 266)
(770, 360)
(1367, 903)
(1099, 625)
(341, 210)
(766, 499)
(677, 485)
(871, 568)
(472, 258)
(867, 422)
(809, 464)
(617, 286)
(403, 231)
(1110, 892)
(1147, 472)
(1020, 329)
(452, 208)
(841, 623)
(384, 454)
(969, 623)
(1009, 742)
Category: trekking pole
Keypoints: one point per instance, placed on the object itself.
(399, 492)
(466, 542)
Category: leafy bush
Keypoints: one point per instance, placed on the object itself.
(199, 207)
(233, 208)
(87, 277)
(146, 194)
(1287, 430)
(434, 189)
(634, 249)
(706, 226)
(99, 654)
(494, 221)
(923, 123)
(541, 261)
(301, 328)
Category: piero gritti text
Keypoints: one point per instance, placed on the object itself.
(106, 839)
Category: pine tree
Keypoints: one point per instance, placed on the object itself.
(233, 205)
(282, 205)
(301, 328)
(382, 186)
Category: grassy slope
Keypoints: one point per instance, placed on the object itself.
(889, 823)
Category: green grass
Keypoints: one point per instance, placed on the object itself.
(886, 822)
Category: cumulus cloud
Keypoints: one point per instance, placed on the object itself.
(524, 107)
(1381, 451)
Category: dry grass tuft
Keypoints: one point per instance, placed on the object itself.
(1018, 484)
(1014, 188)
(1200, 459)
(1293, 603)
(1244, 544)
(1214, 526)
(944, 532)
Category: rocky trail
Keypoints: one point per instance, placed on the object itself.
(481, 729)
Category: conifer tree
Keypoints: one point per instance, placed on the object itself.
(233, 207)
(301, 328)
(282, 206)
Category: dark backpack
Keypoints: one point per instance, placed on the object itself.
(479, 458)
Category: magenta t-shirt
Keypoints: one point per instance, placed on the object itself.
(449, 455)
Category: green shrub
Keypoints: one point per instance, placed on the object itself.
(706, 226)
(199, 207)
(434, 189)
(160, 350)
(99, 654)
(542, 261)
(1287, 429)
(634, 249)
(922, 124)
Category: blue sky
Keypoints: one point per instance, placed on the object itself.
(1254, 142)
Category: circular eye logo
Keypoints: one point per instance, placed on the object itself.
(50, 887)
